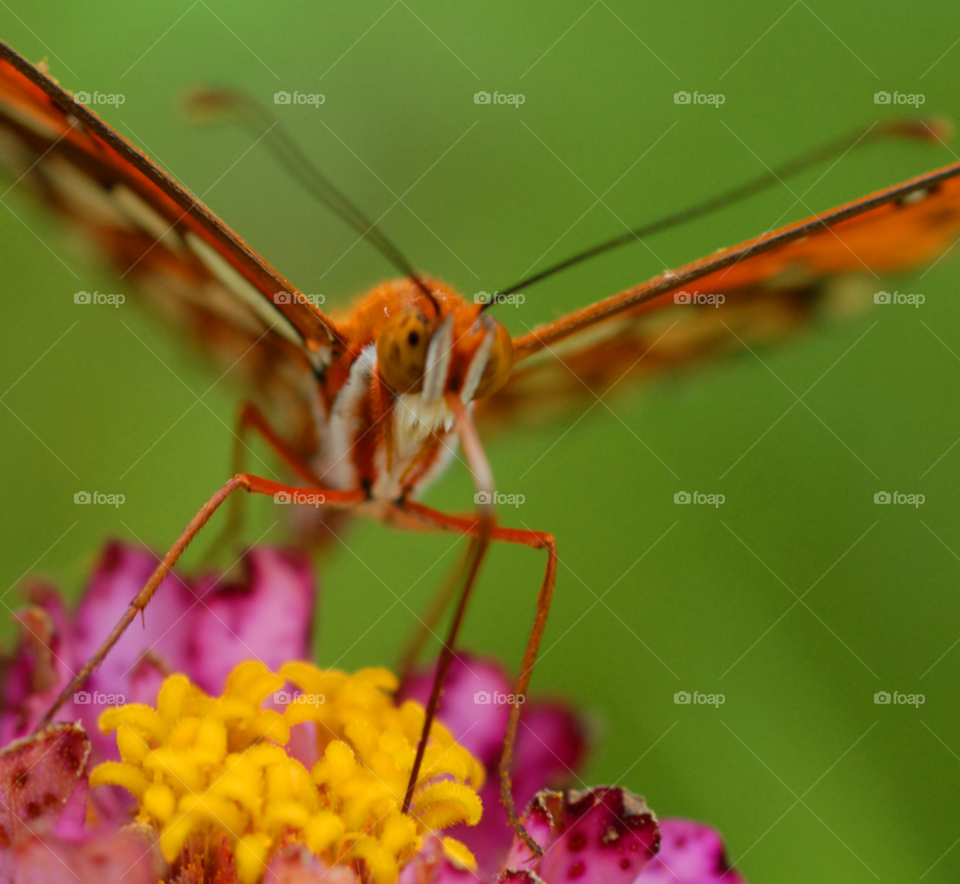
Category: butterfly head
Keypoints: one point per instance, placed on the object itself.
(443, 346)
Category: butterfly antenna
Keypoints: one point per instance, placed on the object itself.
(934, 130)
(207, 105)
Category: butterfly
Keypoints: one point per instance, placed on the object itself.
(368, 407)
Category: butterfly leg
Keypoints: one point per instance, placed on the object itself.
(428, 622)
(251, 418)
(473, 527)
(245, 481)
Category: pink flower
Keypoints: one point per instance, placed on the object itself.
(604, 835)
(43, 804)
(203, 628)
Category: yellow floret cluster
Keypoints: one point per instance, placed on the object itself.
(199, 764)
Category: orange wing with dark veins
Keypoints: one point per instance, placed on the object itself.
(193, 268)
(772, 286)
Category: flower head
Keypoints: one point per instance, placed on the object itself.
(199, 764)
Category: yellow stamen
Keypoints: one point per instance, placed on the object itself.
(200, 764)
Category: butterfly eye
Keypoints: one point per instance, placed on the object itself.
(402, 350)
(498, 365)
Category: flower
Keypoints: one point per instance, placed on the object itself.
(201, 627)
(198, 764)
(312, 789)
(43, 833)
(575, 828)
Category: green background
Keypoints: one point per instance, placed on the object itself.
(876, 785)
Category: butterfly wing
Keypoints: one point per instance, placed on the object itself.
(187, 263)
(753, 293)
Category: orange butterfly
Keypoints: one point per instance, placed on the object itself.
(367, 407)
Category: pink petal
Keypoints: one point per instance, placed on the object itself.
(294, 864)
(71, 825)
(690, 853)
(267, 615)
(431, 866)
(38, 774)
(605, 835)
(120, 856)
(477, 725)
(119, 576)
(550, 746)
(41, 665)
